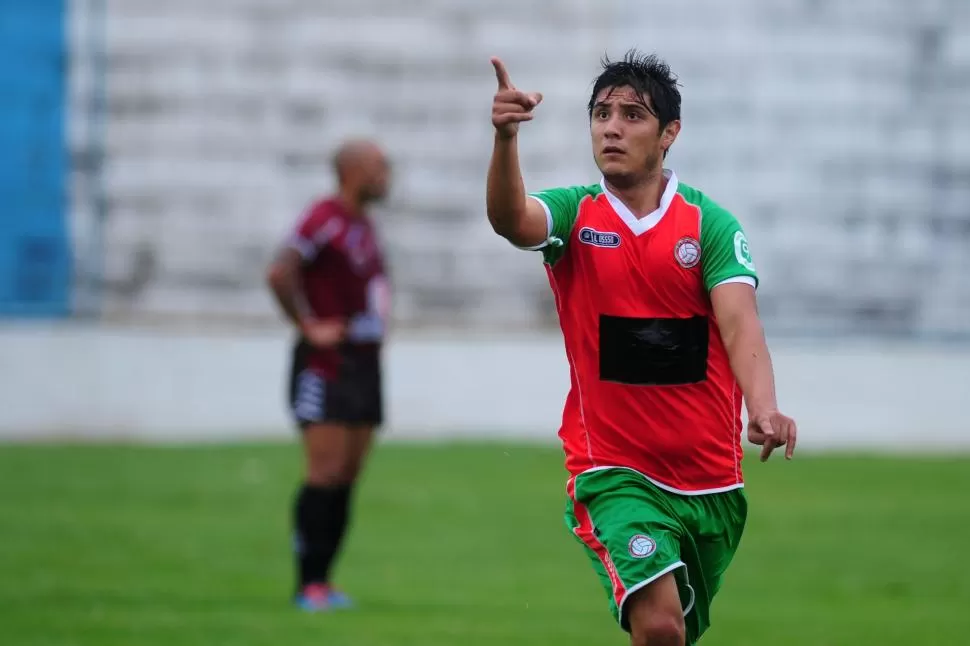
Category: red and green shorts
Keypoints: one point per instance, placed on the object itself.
(635, 532)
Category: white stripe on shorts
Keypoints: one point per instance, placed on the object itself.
(308, 404)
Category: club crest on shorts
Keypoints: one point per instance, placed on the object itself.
(642, 546)
(599, 238)
(687, 251)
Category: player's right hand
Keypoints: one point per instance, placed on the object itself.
(770, 430)
(323, 333)
(510, 106)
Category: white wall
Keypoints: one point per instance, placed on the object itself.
(798, 117)
(72, 381)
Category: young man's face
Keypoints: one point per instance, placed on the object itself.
(628, 143)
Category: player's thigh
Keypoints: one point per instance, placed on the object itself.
(356, 397)
(326, 445)
(360, 440)
(717, 536)
(655, 614)
(630, 533)
(356, 401)
(714, 523)
(324, 408)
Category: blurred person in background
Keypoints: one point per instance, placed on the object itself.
(329, 279)
(655, 289)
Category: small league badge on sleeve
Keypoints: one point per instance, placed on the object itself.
(742, 252)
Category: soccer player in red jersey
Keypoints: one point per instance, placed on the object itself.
(655, 289)
(330, 281)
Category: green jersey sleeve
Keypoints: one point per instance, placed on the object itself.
(562, 209)
(724, 247)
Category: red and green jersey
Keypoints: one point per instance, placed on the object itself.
(651, 385)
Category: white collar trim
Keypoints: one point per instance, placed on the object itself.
(641, 225)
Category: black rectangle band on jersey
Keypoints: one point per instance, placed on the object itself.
(653, 351)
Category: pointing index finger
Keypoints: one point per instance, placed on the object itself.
(501, 74)
(768, 447)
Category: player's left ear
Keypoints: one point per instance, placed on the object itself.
(671, 130)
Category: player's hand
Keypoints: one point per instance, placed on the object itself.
(510, 106)
(323, 333)
(771, 429)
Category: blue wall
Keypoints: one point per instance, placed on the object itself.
(35, 262)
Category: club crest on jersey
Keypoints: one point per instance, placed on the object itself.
(687, 251)
(642, 546)
(599, 238)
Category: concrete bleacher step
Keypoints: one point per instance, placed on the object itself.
(798, 117)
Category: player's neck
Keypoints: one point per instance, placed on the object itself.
(351, 201)
(642, 197)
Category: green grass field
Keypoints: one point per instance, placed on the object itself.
(460, 545)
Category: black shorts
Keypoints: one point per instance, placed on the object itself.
(354, 397)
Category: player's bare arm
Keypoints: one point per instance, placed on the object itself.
(283, 277)
(515, 217)
(735, 306)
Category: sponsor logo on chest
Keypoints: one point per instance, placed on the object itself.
(596, 238)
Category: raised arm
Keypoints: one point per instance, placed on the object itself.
(513, 215)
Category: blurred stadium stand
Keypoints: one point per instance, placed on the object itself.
(838, 132)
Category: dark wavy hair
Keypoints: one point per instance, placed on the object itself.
(649, 76)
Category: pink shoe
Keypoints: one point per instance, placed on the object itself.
(314, 597)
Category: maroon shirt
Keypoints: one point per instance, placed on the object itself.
(343, 276)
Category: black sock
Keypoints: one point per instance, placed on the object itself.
(320, 519)
(341, 516)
